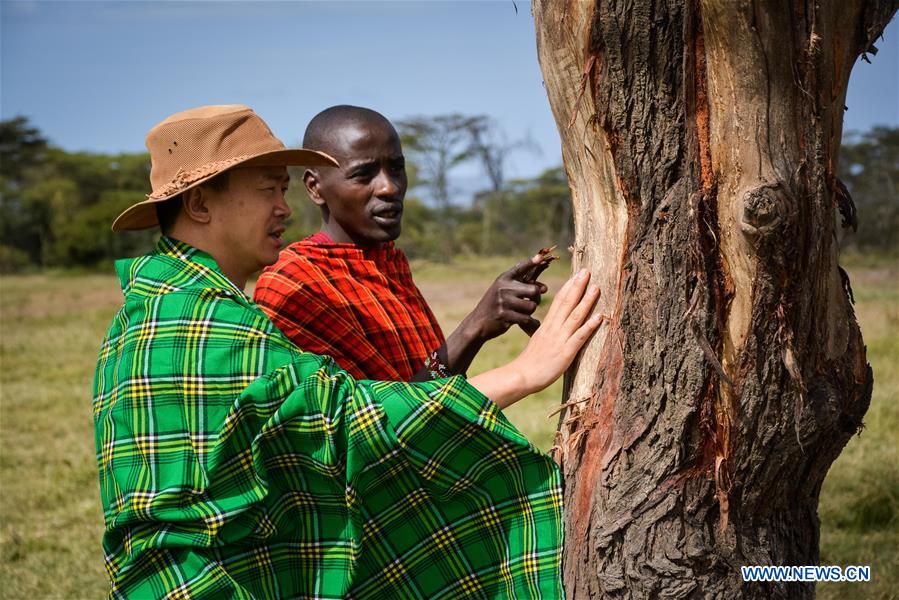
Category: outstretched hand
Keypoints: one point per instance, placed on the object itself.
(511, 300)
(551, 349)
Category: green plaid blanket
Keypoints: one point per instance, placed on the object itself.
(234, 465)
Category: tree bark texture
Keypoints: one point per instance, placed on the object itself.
(700, 139)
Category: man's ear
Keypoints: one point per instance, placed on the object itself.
(196, 205)
(312, 181)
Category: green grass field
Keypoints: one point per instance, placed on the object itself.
(51, 326)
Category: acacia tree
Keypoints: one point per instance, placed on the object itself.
(700, 139)
(489, 145)
(438, 144)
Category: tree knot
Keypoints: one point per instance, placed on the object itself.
(765, 209)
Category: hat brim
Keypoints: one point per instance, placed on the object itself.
(143, 214)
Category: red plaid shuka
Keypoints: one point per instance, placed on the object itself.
(358, 306)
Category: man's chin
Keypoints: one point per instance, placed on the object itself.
(392, 233)
(375, 237)
(269, 259)
(393, 236)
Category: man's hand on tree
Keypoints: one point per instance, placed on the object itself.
(567, 327)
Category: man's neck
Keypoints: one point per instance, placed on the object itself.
(341, 237)
(198, 240)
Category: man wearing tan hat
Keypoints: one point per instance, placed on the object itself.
(232, 464)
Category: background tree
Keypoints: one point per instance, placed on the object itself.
(22, 150)
(56, 207)
(869, 166)
(21, 146)
(535, 212)
(437, 145)
(490, 147)
(700, 140)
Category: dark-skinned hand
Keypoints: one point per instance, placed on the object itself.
(511, 300)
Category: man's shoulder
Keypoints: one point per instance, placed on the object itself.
(173, 267)
(293, 253)
(192, 315)
(297, 263)
(159, 286)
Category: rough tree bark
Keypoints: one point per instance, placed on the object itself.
(700, 138)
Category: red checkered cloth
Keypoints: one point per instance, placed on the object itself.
(358, 306)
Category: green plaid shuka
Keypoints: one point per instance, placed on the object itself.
(233, 465)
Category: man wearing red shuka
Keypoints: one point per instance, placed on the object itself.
(347, 291)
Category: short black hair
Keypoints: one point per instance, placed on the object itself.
(167, 211)
(319, 132)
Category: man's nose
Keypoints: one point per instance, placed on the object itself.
(386, 185)
(282, 208)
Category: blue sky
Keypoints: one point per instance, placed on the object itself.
(97, 75)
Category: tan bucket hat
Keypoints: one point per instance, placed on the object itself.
(195, 145)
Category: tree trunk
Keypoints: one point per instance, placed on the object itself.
(700, 138)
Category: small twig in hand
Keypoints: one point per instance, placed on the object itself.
(546, 257)
(530, 275)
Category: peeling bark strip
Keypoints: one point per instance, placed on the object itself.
(700, 139)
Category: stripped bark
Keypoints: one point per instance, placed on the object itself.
(700, 139)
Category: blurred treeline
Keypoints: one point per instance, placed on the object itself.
(56, 206)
